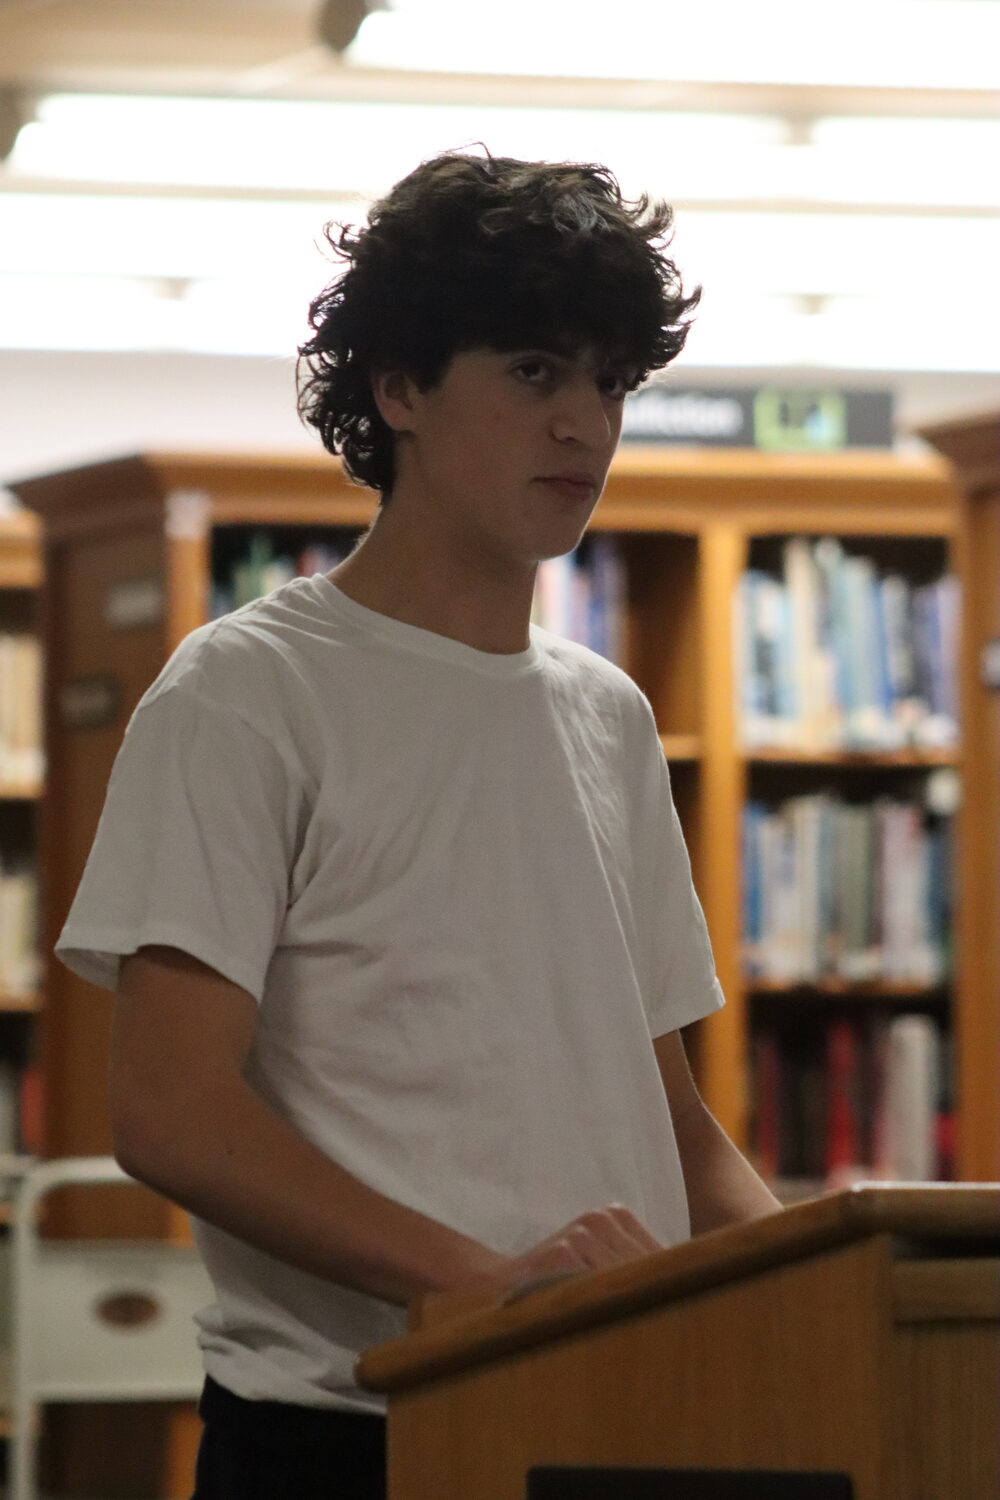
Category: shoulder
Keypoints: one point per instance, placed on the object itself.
(591, 674)
(268, 647)
(569, 658)
(266, 667)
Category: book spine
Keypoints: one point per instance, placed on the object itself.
(21, 755)
(842, 1153)
(835, 655)
(913, 1087)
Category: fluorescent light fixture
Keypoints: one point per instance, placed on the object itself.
(950, 44)
(130, 315)
(871, 334)
(181, 238)
(819, 254)
(355, 148)
(356, 151)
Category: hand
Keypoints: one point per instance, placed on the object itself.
(603, 1237)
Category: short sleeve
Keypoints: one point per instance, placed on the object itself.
(195, 846)
(681, 984)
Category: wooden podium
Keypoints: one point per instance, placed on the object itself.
(857, 1333)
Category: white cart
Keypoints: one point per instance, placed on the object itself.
(107, 1320)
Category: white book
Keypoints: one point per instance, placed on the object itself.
(9, 1111)
(808, 670)
(912, 1087)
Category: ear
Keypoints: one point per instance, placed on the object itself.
(394, 394)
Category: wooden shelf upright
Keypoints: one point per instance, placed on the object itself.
(973, 446)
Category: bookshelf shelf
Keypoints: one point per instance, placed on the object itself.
(879, 991)
(862, 760)
(20, 1004)
(681, 747)
(21, 791)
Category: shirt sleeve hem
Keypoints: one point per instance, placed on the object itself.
(95, 953)
(683, 1015)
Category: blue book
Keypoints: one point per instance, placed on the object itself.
(754, 815)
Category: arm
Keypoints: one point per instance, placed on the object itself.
(186, 1122)
(722, 1186)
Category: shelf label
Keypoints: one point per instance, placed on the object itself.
(188, 514)
(133, 603)
(774, 419)
(90, 702)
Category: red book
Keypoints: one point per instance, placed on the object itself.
(32, 1111)
(767, 1104)
(843, 1134)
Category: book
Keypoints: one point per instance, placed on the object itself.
(832, 654)
(20, 960)
(836, 889)
(843, 1156)
(262, 568)
(582, 596)
(21, 752)
(913, 1087)
(863, 1098)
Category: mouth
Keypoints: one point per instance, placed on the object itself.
(572, 486)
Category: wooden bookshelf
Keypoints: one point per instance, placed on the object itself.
(687, 520)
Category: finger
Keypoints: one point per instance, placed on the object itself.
(595, 1249)
(633, 1227)
(620, 1232)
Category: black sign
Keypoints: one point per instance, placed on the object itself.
(772, 418)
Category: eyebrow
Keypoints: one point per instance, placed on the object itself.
(573, 352)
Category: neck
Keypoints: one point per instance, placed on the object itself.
(407, 568)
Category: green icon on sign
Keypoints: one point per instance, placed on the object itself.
(799, 421)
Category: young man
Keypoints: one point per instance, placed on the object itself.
(390, 882)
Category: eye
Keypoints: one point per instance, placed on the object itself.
(616, 383)
(533, 369)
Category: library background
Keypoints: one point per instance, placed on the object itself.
(797, 558)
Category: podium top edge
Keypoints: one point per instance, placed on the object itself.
(916, 1214)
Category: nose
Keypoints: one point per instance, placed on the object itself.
(581, 415)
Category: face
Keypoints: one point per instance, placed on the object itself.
(510, 450)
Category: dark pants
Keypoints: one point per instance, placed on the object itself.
(268, 1450)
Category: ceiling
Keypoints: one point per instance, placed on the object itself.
(269, 48)
(834, 237)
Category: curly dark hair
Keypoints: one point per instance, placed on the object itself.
(470, 252)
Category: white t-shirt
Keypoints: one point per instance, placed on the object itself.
(456, 884)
